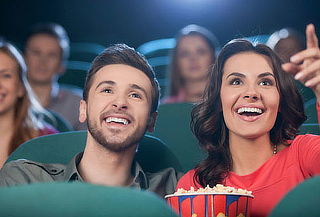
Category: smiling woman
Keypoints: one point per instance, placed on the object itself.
(242, 91)
(21, 115)
(248, 124)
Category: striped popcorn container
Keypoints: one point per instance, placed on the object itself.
(210, 204)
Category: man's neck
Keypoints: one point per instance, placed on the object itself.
(101, 166)
(43, 92)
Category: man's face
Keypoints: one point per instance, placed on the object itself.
(44, 58)
(118, 107)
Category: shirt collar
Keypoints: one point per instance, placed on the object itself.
(140, 180)
(72, 173)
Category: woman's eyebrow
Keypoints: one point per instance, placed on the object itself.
(265, 74)
(237, 74)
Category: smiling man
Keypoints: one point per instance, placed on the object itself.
(120, 102)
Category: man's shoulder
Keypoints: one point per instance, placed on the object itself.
(169, 172)
(25, 171)
(163, 182)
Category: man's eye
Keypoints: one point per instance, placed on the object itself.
(135, 95)
(107, 90)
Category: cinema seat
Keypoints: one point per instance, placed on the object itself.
(303, 200)
(77, 199)
(153, 155)
(173, 127)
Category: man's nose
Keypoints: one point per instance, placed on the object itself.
(120, 102)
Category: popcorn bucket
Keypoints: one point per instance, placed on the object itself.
(210, 204)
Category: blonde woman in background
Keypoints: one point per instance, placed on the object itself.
(21, 115)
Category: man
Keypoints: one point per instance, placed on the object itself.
(120, 102)
(46, 54)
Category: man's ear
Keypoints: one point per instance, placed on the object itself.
(152, 122)
(82, 111)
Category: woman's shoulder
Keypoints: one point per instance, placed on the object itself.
(174, 99)
(187, 180)
(47, 129)
(304, 144)
(305, 139)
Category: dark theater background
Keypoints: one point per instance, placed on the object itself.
(137, 21)
(93, 25)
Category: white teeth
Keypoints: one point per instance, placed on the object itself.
(244, 109)
(117, 120)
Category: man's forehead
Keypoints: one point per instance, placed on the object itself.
(122, 74)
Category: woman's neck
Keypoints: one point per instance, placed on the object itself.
(249, 154)
(194, 90)
(43, 93)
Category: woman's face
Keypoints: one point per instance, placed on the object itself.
(249, 95)
(10, 86)
(194, 57)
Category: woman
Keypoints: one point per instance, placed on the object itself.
(249, 120)
(191, 59)
(20, 113)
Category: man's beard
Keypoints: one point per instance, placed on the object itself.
(120, 146)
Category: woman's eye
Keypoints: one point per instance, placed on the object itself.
(6, 75)
(202, 51)
(183, 54)
(135, 95)
(266, 82)
(235, 82)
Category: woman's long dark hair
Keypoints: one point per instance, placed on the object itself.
(208, 123)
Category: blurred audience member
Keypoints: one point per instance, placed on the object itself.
(46, 54)
(20, 113)
(286, 42)
(191, 59)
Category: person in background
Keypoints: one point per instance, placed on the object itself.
(21, 115)
(286, 43)
(191, 59)
(249, 120)
(46, 53)
(120, 102)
